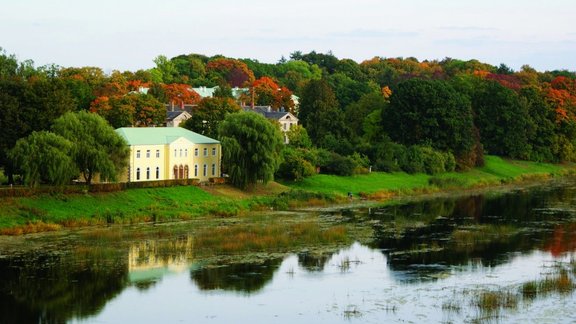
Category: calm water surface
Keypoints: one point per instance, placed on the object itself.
(416, 262)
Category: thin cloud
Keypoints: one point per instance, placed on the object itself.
(469, 28)
(375, 33)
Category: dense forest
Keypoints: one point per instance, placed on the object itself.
(384, 114)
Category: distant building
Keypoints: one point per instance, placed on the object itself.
(174, 118)
(285, 119)
(163, 153)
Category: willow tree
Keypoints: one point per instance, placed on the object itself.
(44, 157)
(96, 147)
(251, 147)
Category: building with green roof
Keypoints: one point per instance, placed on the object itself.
(164, 153)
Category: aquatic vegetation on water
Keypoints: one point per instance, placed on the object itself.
(482, 234)
(494, 301)
(259, 237)
(491, 303)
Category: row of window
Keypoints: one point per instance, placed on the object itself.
(148, 173)
(147, 153)
(183, 153)
(180, 172)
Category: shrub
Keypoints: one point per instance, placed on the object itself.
(296, 165)
(339, 165)
(413, 160)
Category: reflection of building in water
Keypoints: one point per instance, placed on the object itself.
(153, 259)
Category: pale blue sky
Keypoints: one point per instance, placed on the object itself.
(129, 34)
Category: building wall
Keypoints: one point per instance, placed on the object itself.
(147, 163)
(206, 160)
(180, 159)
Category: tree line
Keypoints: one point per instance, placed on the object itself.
(385, 114)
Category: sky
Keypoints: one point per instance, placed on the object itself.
(128, 34)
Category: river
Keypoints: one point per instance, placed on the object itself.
(432, 260)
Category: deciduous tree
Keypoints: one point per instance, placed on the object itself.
(96, 147)
(251, 148)
(44, 157)
(208, 115)
(423, 112)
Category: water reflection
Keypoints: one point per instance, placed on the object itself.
(53, 288)
(246, 277)
(419, 253)
(150, 260)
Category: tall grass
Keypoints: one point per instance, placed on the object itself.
(265, 238)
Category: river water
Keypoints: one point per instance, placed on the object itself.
(422, 261)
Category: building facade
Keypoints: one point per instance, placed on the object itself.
(165, 153)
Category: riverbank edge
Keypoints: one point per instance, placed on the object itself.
(291, 198)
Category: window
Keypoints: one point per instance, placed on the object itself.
(138, 154)
(147, 173)
(205, 152)
(196, 152)
(137, 173)
(180, 152)
(195, 170)
(205, 169)
(157, 153)
(186, 152)
(186, 175)
(175, 153)
(147, 153)
(157, 173)
(214, 151)
(175, 170)
(285, 126)
(213, 169)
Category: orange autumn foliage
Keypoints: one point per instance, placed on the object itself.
(181, 94)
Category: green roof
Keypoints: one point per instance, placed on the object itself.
(161, 135)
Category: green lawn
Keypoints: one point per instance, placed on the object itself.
(495, 171)
(136, 204)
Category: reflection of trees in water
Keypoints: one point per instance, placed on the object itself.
(424, 237)
(245, 277)
(314, 261)
(56, 288)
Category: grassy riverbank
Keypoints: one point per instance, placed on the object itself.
(381, 185)
(51, 212)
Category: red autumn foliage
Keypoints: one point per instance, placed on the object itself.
(268, 92)
(235, 72)
(563, 240)
(181, 94)
(506, 80)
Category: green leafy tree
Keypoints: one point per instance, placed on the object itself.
(320, 113)
(295, 165)
(208, 115)
(541, 127)
(165, 70)
(27, 106)
(357, 113)
(96, 147)
(44, 157)
(423, 112)
(8, 64)
(502, 120)
(298, 137)
(251, 148)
